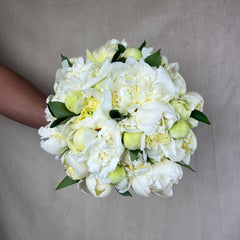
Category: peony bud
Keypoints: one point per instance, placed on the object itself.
(78, 139)
(99, 55)
(132, 52)
(71, 99)
(117, 175)
(132, 141)
(76, 170)
(97, 188)
(180, 129)
(181, 107)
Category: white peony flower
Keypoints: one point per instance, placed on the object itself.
(74, 169)
(127, 81)
(150, 117)
(105, 151)
(138, 148)
(52, 141)
(158, 180)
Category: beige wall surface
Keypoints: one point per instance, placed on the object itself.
(203, 36)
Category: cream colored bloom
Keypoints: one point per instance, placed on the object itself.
(106, 51)
(105, 151)
(195, 101)
(52, 142)
(128, 81)
(75, 170)
(158, 180)
(95, 187)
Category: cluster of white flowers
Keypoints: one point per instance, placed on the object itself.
(124, 123)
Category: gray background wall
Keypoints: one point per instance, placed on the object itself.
(203, 36)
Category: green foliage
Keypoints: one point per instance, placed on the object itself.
(142, 45)
(116, 115)
(67, 181)
(134, 154)
(200, 116)
(154, 60)
(65, 58)
(186, 166)
(120, 50)
(126, 194)
(59, 111)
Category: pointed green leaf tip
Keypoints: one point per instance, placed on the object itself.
(142, 45)
(120, 50)
(126, 194)
(134, 154)
(154, 60)
(200, 116)
(59, 110)
(186, 166)
(67, 181)
(65, 58)
(59, 121)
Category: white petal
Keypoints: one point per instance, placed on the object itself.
(97, 188)
(54, 145)
(194, 99)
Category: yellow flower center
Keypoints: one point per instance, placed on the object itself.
(90, 106)
(163, 138)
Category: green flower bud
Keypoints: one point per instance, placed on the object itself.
(132, 141)
(71, 99)
(132, 52)
(181, 107)
(117, 175)
(180, 129)
(78, 139)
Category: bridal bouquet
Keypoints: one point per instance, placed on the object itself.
(121, 118)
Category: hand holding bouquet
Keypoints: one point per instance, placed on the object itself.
(121, 118)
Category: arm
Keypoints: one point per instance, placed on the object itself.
(20, 100)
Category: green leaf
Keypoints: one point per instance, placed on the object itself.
(121, 49)
(186, 166)
(122, 59)
(149, 160)
(65, 58)
(59, 121)
(142, 45)
(154, 60)
(59, 110)
(200, 116)
(133, 154)
(126, 194)
(67, 181)
(115, 114)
